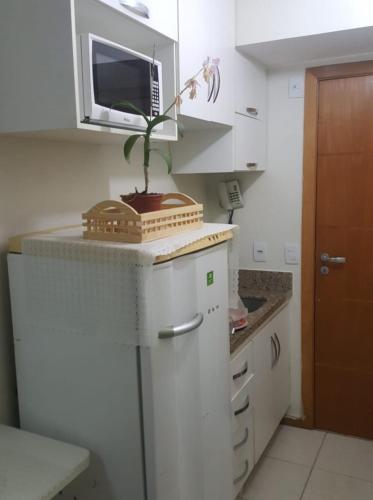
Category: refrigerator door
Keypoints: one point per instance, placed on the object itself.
(185, 382)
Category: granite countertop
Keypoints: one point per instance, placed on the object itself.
(276, 287)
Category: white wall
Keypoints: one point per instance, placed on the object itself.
(264, 20)
(273, 201)
(48, 184)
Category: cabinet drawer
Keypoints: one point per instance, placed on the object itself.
(242, 405)
(243, 455)
(249, 144)
(242, 368)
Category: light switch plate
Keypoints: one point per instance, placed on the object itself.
(296, 87)
(292, 253)
(260, 251)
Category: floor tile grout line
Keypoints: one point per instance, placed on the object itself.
(344, 475)
(288, 461)
(313, 466)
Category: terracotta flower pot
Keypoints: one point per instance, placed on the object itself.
(143, 202)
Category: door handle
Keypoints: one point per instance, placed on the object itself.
(279, 347)
(273, 343)
(136, 7)
(174, 331)
(325, 257)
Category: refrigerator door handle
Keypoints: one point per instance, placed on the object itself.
(173, 331)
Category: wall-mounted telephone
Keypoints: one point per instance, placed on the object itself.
(230, 196)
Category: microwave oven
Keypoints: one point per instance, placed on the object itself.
(112, 74)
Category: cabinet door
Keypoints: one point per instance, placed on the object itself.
(272, 379)
(222, 38)
(281, 371)
(264, 355)
(250, 88)
(249, 144)
(194, 48)
(160, 15)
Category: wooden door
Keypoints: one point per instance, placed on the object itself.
(344, 228)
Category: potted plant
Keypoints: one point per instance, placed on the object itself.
(145, 201)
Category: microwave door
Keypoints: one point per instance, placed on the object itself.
(115, 74)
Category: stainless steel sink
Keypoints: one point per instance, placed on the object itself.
(253, 303)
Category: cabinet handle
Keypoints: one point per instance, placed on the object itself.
(243, 372)
(244, 440)
(243, 409)
(279, 347)
(252, 111)
(136, 7)
(251, 164)
(240, 477)
(274, 360)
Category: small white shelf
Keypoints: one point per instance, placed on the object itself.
(33, 467)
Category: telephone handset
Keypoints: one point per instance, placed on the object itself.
(229, 194)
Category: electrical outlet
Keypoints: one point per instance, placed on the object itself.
(292, 253)
(296, 87)
(260, 251)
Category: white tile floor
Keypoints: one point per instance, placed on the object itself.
(311, 465)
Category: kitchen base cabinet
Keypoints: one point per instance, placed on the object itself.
(272, 377)
(260, 394)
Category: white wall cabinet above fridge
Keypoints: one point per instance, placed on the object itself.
(41, 93)
(207, 30)
(160, 15)
(241, 148)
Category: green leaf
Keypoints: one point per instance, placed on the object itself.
(156, 121)
(166, 155)
(128, 145)
(129, 104)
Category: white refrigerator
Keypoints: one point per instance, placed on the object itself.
(155, 414)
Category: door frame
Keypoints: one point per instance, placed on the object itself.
(311, 103)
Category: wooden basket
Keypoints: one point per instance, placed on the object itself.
(117, 221)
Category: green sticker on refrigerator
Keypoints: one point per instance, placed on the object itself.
(210, 278)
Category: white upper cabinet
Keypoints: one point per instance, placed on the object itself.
(242, 148)
(160, 15)
(42, 93)
(207, 30)
(250, 87)
(250, 144)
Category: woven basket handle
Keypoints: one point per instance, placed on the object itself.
(111, 206)
(187, 200)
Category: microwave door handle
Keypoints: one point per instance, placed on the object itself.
(136, 7)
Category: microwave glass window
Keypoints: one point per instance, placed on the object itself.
(120, 76)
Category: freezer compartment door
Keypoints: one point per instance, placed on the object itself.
(185, 382)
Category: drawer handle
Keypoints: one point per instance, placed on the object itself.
(251, 164)
(279, 347)
(252, 111)
(243, 372)
(243, 409)
(240, 477)
(244, 440)
(137, 8)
